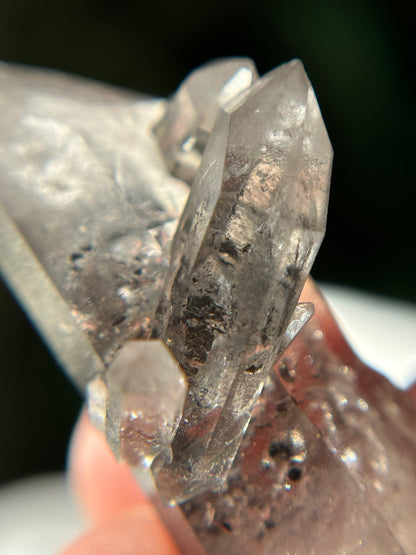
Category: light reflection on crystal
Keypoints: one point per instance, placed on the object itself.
(184, 130)
(96, 403)
(362, 405)
(349, 457)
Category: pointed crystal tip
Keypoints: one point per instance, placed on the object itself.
(244, 246)
(145, 394)
(184, 130)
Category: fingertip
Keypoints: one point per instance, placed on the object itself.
(102, 485)
(135, 531)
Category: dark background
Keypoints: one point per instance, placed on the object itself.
(359, 57)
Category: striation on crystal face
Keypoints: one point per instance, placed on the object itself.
(245, 243)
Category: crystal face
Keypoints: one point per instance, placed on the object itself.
(184, 130)
(144, 404)
(244, 245)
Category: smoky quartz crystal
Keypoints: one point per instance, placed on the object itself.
(245, 243)
(178, 309)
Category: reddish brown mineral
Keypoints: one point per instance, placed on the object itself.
(328, 463)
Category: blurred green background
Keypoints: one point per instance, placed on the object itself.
(359, 56)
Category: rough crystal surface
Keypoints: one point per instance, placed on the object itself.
(366, 423)
(245, 243)
(185, 128)
(328, 462)
(144, 405)
(87, 210)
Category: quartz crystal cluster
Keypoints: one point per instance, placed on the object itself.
(182, 322)
(254, 220)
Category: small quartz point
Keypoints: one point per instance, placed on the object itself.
(189, 119)
(144, 405)
(246, 241)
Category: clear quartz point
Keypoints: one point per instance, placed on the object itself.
(246, 241)
(190, 115)
(144, 405)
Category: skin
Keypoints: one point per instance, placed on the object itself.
(123, 520)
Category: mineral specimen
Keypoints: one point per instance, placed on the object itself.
(244, 246)
(316, 456)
